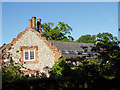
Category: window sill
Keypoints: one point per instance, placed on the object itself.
(28, 62)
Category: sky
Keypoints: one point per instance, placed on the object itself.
(119, 21)
(84, 17)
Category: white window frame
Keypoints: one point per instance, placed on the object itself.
(28, 55)
(30, 75)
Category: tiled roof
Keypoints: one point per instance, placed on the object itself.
(71, 45)
(74, 50)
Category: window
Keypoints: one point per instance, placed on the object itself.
(30, 75)
(65, 52)
(71, 52)
(29, 55)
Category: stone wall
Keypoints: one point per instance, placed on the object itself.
(46, 56)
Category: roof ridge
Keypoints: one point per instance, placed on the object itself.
(71, 42)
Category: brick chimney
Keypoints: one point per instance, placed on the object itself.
(30, 23)
(39, 25)
(34, 22)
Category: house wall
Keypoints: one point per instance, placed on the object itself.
(44, 53)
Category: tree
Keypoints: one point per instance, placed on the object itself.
(46, 27)
(60, 68)
(86, 39)
(107, 47)
(57, 33)
(71, 38)
(107, 44)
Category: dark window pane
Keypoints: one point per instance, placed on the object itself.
(31, 54)
(32, 75)
(64, 52)
(71, 52)
(26, 55)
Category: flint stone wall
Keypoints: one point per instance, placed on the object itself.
(45, 55)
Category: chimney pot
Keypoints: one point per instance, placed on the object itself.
(30, 23)
(39, 25)
(34, 22)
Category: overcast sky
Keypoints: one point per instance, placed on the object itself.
(84, 18)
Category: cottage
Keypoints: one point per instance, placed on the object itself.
(35, 54)
(31, 50)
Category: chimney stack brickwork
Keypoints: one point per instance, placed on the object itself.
(39, 25)
(32, 24)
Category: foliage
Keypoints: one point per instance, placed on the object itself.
(107, 47)
(94, 61)
(60, 68)
(102, 73)
(106, 37)
(102, 37)
(57, 33)
(11, 73)
(86, 39)
(63, 83)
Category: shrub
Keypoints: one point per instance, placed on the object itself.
(60, 68)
